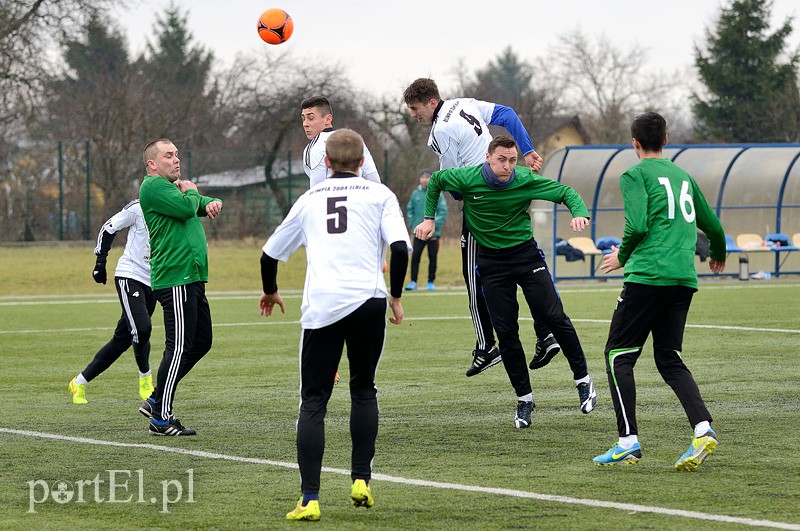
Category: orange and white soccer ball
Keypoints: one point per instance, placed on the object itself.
(275, 26)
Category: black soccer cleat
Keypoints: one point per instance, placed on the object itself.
(169, 427)
(587, 396)
(522, 418)
(146, 408)
(483, 359)
(546, 350)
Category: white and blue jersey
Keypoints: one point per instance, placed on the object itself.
(460, 133)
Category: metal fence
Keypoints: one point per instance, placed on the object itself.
(66, 191)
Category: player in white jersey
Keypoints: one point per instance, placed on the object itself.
(345, 224)
(317, 117)
(460, 137)
(132, 280)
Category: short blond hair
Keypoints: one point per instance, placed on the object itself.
(151, 150)
(345, 150)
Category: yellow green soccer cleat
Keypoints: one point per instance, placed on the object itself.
(78, 392)
(700, 448)
(304, 512)
(145, 387)
(362, 494)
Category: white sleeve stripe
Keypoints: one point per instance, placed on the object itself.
(107, 227)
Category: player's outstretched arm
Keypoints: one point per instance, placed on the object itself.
(716, 266)
(534, 161)
(267, 302)
(397, 311)
(579, 223)
(397, 275)
(269, 285)
(611, 261)
(213, 209)
(425, 230)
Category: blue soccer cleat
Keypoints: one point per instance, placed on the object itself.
(617, 454)
(700, 448)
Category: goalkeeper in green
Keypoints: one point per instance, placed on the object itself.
(497, 196)
(664, 207)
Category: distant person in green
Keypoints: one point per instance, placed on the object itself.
(178, 273)
(497, 196)
(416, 213)
(664, 207)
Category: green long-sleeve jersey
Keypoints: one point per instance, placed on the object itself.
(178, 246)
(664, 207)
(499, 219)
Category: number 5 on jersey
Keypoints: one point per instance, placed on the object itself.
(337, 215)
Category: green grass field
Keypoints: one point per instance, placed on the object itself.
(448, 455)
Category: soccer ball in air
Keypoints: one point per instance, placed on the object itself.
(275, 26)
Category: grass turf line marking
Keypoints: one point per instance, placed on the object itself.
(36, 300)
(433, 318)
(425, 483)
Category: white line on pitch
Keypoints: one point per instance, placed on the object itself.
(424, 483)
(432, 318)
(41, 300)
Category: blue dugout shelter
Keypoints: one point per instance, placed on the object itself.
(755, 188)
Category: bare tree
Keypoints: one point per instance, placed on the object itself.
(26, 32)
(607, 86)
(405, 141)
(264, 95)
(29, 29)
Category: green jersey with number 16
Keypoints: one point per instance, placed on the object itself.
(664, 207)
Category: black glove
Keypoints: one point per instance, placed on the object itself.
(99, 272)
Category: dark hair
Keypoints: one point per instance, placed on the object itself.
(345, 150)
(425, 172)
(650, 130)
(501, 141)
(422, 90)
(319, 102)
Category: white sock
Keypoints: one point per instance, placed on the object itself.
(143, 374)
(627, 442)
(80, 380)
(702, 428)
(526, 398)
(585, 379)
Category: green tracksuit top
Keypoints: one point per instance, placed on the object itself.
(178, 247)
(664, 207)
(499, 219)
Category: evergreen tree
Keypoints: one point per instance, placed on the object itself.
(507, 80)
(178, 86)
(96, 98)
(26, 32)
(751, 84)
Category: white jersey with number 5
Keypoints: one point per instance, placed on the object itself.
(346, 224)
(460, 134)
(314, 160)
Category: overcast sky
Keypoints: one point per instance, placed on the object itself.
(387, 44)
